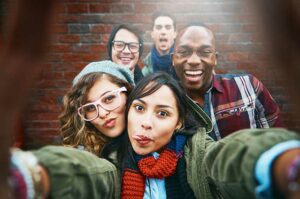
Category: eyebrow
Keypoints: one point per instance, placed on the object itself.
(90, 101)
(159, 106)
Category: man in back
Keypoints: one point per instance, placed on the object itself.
(233, 102)
(163, 35)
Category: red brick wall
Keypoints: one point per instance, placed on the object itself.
(81, 33)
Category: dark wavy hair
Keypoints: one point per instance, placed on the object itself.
(131, 29)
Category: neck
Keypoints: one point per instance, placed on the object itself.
(197, 96)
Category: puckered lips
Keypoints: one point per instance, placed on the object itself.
(142, 139)
(110, 123)
(193, 75)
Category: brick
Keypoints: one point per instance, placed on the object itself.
(90, 38)
(145, 8)
(99, 8)
(90, 57)
(79, 28)
(240, 37)
(98, 48)
(105, 38)
(137, 18)
(77, 8)
(82, 48)
(60, 48)
(42, 124)
(52, 75)
(101, 28)
(68, 38)
(60, 8)
(58, 28)
(250, 28)
(122, 8)
(51, 84)
(238, 56)
(72, 57)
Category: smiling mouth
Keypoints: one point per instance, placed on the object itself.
(193, 72)
(193, 76)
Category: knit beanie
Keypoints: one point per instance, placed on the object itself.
(108, 67)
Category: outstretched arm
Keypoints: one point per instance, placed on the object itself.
(23, 44)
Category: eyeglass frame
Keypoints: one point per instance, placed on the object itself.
(187, 52)
(126, 44)
(98, 102)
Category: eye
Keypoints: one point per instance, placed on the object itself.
(158, 27)
(134, 46)
(139, 108)
(90, 108)
(183, 52)
(168, 27)
(205, 52)
(108, 99)
(163, 114)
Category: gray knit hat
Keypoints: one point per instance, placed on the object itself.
(108, 67)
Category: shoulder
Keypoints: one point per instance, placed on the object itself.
(237, 78)
(148, 68)
(138, 75)
(147, 59)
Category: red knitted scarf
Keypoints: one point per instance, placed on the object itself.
(133, 182)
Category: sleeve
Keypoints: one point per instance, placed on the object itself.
(268, 113)
(230, 163)
(78, 174)
(263, 167)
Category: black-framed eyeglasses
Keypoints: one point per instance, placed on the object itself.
(121, 45)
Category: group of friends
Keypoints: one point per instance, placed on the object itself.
(172, 129)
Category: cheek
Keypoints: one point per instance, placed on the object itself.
(114, 56)
(131, 122)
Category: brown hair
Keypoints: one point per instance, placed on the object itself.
(74, 130)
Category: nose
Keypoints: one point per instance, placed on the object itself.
(126, 49)
(194, 59)
(146, 122)
(102, 112)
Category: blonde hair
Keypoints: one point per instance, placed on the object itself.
(75, 131)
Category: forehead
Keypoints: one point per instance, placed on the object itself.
(101, 86)
(126, 36)
(162, 96)
(163, 20)
(196, 36)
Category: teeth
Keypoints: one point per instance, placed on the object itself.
(193, 72)
(125, 59)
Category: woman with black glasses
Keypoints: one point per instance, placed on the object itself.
(125, 47)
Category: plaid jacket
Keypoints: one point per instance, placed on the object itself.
(237, 102)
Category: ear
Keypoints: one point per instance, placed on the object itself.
(179, 125)
(175, 35)
(216, 60)
(152, 35)
(172, 55)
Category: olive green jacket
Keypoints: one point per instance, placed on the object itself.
(225, 169)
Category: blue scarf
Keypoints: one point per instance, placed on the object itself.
(161, 63)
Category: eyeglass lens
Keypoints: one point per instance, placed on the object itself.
(120, 46)
(109, 101)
